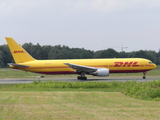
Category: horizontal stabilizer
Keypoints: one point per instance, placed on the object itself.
(17, 65)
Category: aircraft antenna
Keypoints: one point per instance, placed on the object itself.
(122, 48)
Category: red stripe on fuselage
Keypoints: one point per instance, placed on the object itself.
(129, 71)
(111, 71)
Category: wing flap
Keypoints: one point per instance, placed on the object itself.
(81, 68)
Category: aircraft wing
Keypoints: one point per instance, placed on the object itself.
(81, 68)
(17, 65)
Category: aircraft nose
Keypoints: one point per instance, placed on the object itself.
(155, 65)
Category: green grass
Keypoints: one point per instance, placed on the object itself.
(141, 90)
(13, 73)
(79, 100)
(68, 105)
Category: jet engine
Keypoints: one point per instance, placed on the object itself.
(101, 72)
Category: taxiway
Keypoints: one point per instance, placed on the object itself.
(26, 80)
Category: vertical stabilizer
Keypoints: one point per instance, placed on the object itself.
(18, 53)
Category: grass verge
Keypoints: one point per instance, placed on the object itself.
(68, 105)
(80, 100)
(141, 90)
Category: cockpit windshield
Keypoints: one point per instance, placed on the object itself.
(150, 62)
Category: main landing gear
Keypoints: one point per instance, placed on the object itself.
(144, 73)
(82, 77)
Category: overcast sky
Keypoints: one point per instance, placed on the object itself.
(89, 24)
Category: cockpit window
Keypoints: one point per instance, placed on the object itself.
(150, 62)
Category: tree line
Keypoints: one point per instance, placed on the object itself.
(64, 52)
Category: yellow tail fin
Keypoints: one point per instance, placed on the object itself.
(18, 53)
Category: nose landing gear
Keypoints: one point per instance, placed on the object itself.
(144, 73)
(144, 77)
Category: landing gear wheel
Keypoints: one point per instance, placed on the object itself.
(144, 77)
(84, 78)
(144, 73)
(81, 78)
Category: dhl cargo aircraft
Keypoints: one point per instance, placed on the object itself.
(95, 67)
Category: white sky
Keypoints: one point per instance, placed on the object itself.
(91, 24)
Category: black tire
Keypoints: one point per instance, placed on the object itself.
(144, 77)
(79, 78)
(85, 78)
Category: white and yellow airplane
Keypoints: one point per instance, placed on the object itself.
(95, 67)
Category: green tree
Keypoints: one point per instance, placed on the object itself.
(45, 51)
(6, 56)
(144, 54)
(1, 59)
(109, 53)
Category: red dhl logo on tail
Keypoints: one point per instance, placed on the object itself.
(126, 64)
(19, 51)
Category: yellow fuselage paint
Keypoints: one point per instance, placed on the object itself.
(125, 65)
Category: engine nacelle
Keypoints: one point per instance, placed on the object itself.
(101, 72)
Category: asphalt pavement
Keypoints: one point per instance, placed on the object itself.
(98, 79)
